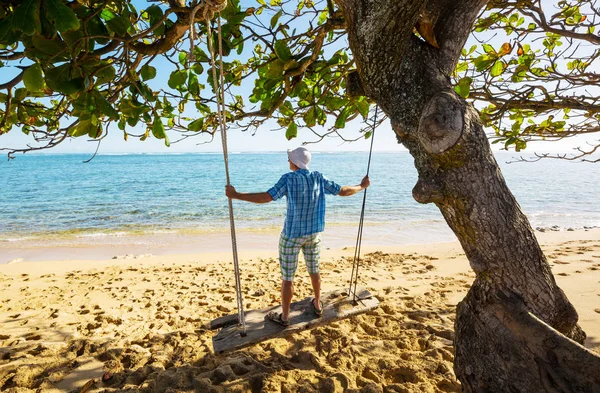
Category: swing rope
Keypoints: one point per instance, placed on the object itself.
(220, 92)
(356, 260)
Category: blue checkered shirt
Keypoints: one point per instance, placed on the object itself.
(305, 192)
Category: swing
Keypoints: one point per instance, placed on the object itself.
(251, 327)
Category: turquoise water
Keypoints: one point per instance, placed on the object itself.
(59, 195)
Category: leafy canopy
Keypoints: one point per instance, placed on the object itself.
(89, 67)
(82, 67)
(534, 71)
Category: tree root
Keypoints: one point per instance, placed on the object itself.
(502, 347)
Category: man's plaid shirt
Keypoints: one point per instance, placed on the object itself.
(305, 192)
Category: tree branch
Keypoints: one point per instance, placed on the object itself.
(177, 30)
(454, 23)
(13, 56)
(543, 23)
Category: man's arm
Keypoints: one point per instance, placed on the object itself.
(257, 197)
(351, 190)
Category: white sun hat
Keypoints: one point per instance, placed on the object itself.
(300, 157)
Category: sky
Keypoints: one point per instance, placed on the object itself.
(266, 138)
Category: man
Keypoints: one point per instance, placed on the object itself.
(305, 220)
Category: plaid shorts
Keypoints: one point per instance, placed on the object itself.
(289, 248)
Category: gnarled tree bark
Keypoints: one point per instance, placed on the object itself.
(516, 331)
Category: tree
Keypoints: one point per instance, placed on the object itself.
(540, 82)
(86, 64)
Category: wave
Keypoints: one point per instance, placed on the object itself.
(15, 239)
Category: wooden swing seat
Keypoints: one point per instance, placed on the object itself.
(336, 305)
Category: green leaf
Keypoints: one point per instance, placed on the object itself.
(27, 17)
(275, 18)
(489, 49)
(107, 14)
(182, 58)
(461, 67)
(20, 94)
(193, 85)
(95, 26)
(132, 108)
(73, 37)
(200, 55)
(177, 79)
(240, 46)
(158, 128)
(143, 89)
(463, 88)
(497, 68)
(363, 106)
(6, 34)
(282, 51)
(49, 46)
(105, 106)
(275, 69)
(59, 79)
(286, 109)
(87, 125)
(33, 78)
(310, 117)
(340, 122)
(335, 103)
(84, 105)
(119, 25)
(292, 131)
(105, 74)
(197, 68)
(155, 13)
(323, 17)
(482, 62)
(148, 72)
(196, 125)
(63, 17)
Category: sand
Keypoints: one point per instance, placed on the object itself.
(143, 320)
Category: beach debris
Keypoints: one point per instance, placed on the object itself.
(88, 385)
(260, 292)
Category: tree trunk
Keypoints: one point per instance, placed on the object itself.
(515, 328)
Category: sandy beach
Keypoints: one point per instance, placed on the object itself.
(141, 320)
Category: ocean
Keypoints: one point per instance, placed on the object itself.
(58, 196)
